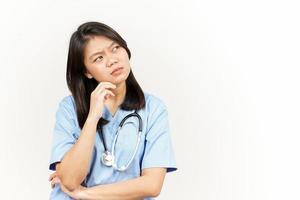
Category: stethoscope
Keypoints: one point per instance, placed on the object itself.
(108, 158)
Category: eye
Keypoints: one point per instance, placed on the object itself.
(115, 48)
(98, 59)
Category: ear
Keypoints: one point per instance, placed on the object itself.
(88, 75)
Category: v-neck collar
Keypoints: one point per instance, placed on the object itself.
(119, 113)
(107, 115)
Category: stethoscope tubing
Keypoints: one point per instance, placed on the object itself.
(113, 163)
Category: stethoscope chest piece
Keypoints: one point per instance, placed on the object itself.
(107, 158)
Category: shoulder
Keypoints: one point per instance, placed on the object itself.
(67, 105)
(66, 114)
(67, 101)
(156, 114)
(154, 104)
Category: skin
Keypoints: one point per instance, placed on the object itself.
(102, 57)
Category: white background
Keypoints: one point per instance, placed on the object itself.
(227, 70)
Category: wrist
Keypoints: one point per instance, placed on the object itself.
(92, 120)
(86, 194)
(91, 123)
(83, 193)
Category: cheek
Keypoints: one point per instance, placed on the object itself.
(127, 68)
(126, 62)
(124, 56)
(99, 73)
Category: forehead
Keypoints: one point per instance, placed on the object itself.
(97, 43)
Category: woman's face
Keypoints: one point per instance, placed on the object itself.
(106, 60)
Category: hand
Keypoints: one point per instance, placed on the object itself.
(98, 97)
(78, 193)
(53, 178)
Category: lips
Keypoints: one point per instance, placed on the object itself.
(116, 70)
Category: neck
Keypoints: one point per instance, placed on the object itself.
(119, 97)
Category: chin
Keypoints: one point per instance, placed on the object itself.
(120, 79)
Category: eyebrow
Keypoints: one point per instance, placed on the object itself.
(99, 52)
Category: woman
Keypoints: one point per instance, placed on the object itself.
(92, 159)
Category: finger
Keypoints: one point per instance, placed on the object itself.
(55, 181)
(104, 85)
(52, 185)
(106, 93)
(52, 176)
(104, 89)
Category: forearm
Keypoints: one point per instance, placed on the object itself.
(74, 167)
(133, 189)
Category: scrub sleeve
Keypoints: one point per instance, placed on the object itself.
(64, 134)
(158, 147)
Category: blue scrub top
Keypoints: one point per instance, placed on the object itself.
(155, 148)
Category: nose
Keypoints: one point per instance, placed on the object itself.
(111, 61)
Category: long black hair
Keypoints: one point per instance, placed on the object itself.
(80, 86)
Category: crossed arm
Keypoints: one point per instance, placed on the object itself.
(73, 168)
(149, 184)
